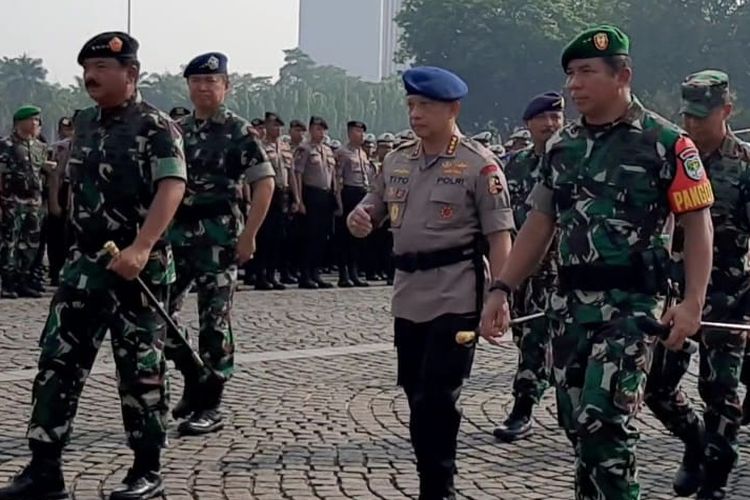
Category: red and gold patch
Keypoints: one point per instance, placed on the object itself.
(495, 185)
(446, 212)
(691, 189)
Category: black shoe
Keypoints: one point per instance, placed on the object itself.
(263, 285)
(709, 493)
(27, 291)
(8, 293)
(139, 486)
(201, 422)
(42, 480)
(323, 284)
(37, 285)
(359, 283)
(288, 280)
(690, 475)
(372, 277)
(308, 284)
(345, 283)
(277, 285)
(746, 409)
(518, 424)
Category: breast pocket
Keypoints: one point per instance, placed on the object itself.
(447, 207)
(395, 197)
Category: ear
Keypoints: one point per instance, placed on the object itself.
(625, 76)
(133, 72)
(455, 108)
(727, 110)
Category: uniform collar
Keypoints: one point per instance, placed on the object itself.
(450, 150)
(729, 145)
(632, 118)
(117, 112)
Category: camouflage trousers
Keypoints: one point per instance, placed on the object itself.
(70, 341)
(20, 229)
(533, 341)
(721, 357)
(600, 377)
(213, 270)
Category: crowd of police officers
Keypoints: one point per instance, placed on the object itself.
(607, 222)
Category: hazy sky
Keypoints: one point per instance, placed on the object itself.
(252, 33)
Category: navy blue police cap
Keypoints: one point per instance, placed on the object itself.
(211, 63)
(434, 83)
(549, 101)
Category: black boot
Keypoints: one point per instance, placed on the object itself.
(287, 279)
(27, 291)
(320, 282)
(276, 284)
(355, 279)
(143, 480)
(746, 409)
(689, 476)
(188, 402)
(208, 418)
(344, 281)
(261, 283)
(42, 479)
(718, 461)
(9, 288)
(518, 424)
(306, 282)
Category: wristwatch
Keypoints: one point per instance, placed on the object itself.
(501, 285)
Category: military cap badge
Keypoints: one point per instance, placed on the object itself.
(212, 63)
(115, 45)
(601, 41)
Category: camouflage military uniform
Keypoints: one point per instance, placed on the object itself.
(218, 151)
(532, 338)
(115, 164)
(609, 189)
(21, 200)
(727, 300)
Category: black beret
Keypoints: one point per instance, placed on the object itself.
(273, 117)
(549, 101)
(211, 63)
(357, 124)
(257, 122)
(316, 120)
(297, 124)
(111, 44)
(178, 112)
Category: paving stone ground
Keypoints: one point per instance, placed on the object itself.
(313, 412)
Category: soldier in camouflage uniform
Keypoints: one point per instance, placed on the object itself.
(127, 178)
(22, 169)
(706, 105)
(220, 152)
(544, 117)
(608, 183)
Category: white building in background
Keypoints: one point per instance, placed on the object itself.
(359, 36)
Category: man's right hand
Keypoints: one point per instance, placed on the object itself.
(495, 319)
(301, 209)
(359, 222)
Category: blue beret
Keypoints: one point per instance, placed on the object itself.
(434, 83)
(212, 63)
(549, 101)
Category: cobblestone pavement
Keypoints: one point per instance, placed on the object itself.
(312, 412)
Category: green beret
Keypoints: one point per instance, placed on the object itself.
(599, 41)
(25, 112)
(703, 92)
